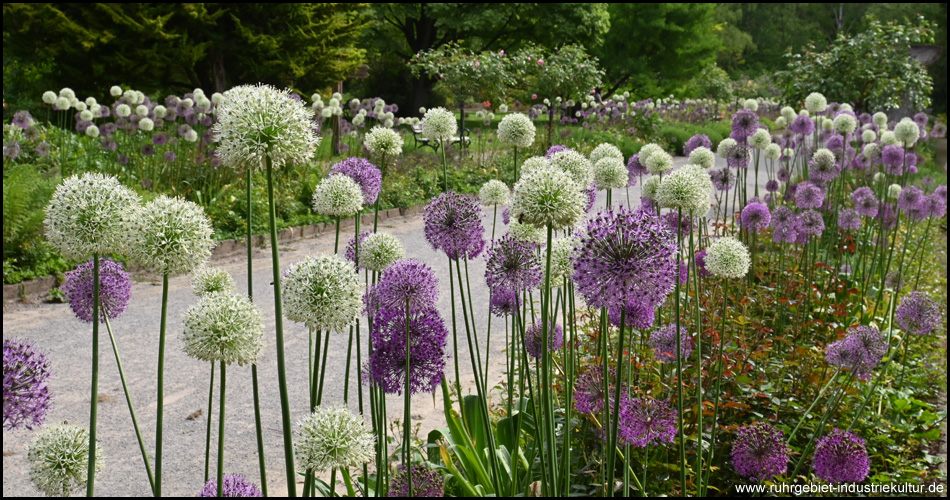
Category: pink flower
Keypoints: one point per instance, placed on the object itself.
(501, 53)
(540, 62)
(477, 64)
(534, 96)
(441, 75)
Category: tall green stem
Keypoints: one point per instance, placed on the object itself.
(222, 394)
(679, 367)
(258, 426)
(208, 428)
(94, 400)
(160, 411)
(407, 427)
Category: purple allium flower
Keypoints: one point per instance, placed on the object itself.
(941, 192)
(635, 167)
(425, 482)
(453, 224)
(723, 178)
(771, 186)
(809, 195)
(701, 263)
(505, 216)
(11, 149)
(841, 457)
(591, 193)
(824, 166)
(663, 343)
(939, 130)
(625, 255)
(921, 119)
(589, 394)
(169, 156)
(26, 399)
(934, 207)
(504, 302)
(849, 220)
(802, 125)
(783, 217)
(644, 422)
(738, 156)
(893, 159)
(407, 282)
(555, 149)
(866, 205)
(387, 363)
(893, 281)
(759, 452)
(160, 138)
(637, 315)
(234, 486)
(42, 149)
(783, 175)
(114, 290)
(22, 119)
(744, 123)
(861, 351)
(755, 216)
(785, 234)
(675, 223)
(911, 198)
(918, 313)
(860, 162)
(512, 265)
(534, 339)
(695, 142)
(108, 143)
(350, 252)
(148, 149)
(811, 222)
(364, 173)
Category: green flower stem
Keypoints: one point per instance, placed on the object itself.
(348, 482)
(222, 394)
(323, 369)
(517, 170)
(160, 410)
(281, 362)
(471, 308)
(94, 400)
(445, 182)
(819, 431)
(455, 342)
(407, 427)
(208, 430)
(316, 370)
(359, 354)
(259, 429)
(547, 397)
(258, 426)
(612, 436)
(679, 369)
(346, 376)
(128, 400)
(699, 357)
(719, 364)
(877, 380)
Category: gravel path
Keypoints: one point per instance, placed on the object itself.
(65, 339)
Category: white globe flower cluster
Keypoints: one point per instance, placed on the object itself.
(687, 189)
(338, 196)
(323, 292)
(548, 196)
(516, 130)
(224, 327)
(728, 258)
(383, 141)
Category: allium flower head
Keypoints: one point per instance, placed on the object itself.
(574, 164)
(644, 422)
(934, 207)
(605, 150)
(635, 167)
(802, 125)
(427, 339)
(333, 437)
(893, 158)
(517, 130)
(526, 232)
(911, 198)
(663, 343)
(638, 314)
(723, 179)
(918, 313)
(658, 163)
(234, 486)
(811, 222)
(258, 121)
(453, 224)
(513, 265)
(760, 139)
(696, 141)
(722, 150)
(907, 132)
(504, 302)
(755, 216)
(408, 282)
(738, 156)
(610, 173)
(494, 192)
(815, 103)
(650, 185)
(338, 196)
(880, 119)
(561, 251)
(379, 250)
(210, 280)
(223, 327)
(728, 258)
(809, 195)
(759, 452)
(59, 459)
(589, 395)
(625, 255)
(438, 124)
(534, 339)
(115, 289)
(866, 204)
(823, 165)
(174, 237)
(849, 220)
(322, 292)
(383, 141)
(92, 214)
(425, 483)
(702, 156)
(841, 457)
(788, 113)
(860, 351)
(548, 196)
(533, 163)
(744, 123)
(686, 189)
(889, 139)
(364, 173)
(26, 398)
(868, 136)
(845, 123)
(894, 191)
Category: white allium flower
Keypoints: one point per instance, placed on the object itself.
(326, 112)
(907, 132)
(894, 191)
(173, 238)
(190, 136)
(548, 196)
(92, 131)
(146, 124)
(658, 163)
(647, 150)
(846, 107)
(223, 327)
(751, 104)
(878, 177)
(880, 119)
(605, 150)
(217, 98)
(388, 123)
(845, 123)
(533, 163)
(703, 157)
(686, 189)
(517, 130)
(49, 97)
(188, 103)
(86, 115)
(339, 97)
(888, 138)
(727, 257)
(494, 192)
(760, 139)
(79, 105)
(781, 122)
(827, 124)
(804, 112)
(773, 151)
(384, 141)
(92, 214)
(59, 459)
(379, 250)
(724, 145)
(322, 292)
(210, 280)
(871, 151)
(815, 103)
(257, 122)
(788, 113)
(823, 156)
(61, 103)
(338, 196)
(503, 108)
(141, 110)
(159, 111)
(358, 120)
(526, 232)
(203, 103)
(439, 124)
(422, 110)
(561, 265)
(333, 438)
(123, 110)
(868, 136)
(650, 186)
(611, 173)
(788, 152)
(576, 165)
(67, 93)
